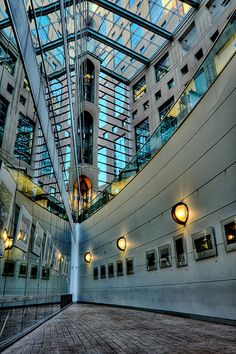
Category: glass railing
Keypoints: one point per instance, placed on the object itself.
(218, 57)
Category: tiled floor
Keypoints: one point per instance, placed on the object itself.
(97, 329)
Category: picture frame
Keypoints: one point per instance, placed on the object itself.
(228, 227)
(22, 236)
(46, 252)
(38, 239)
(151, 260)
(165, 259)
(180, 250)
(204, 245)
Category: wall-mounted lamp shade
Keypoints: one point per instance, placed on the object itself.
(121, 243)
(180, 213)
(88, 257)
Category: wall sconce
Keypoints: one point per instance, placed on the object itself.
(121, 243)
(88, 257)
(4, 235)
(59, 256)
(180, 213)
(8, 243)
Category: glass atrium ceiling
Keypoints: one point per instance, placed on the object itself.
(124, 34)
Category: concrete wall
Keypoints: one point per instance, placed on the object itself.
(196, 166)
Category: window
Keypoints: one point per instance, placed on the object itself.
(7, 60)
(139, 89)
(103, 271)
(23, 271)
(105, 135)
(34, 272)
(134, 114)
(142, 133)
(204, 244)
(155, 11)
(52, 191)
(162, 67)
(135, 35)
(119, 268)
(24, 139)
(10, 89)
(184, 69)
(151, 260)
(9, 268)
(118, 56)
(214, 36)
(3, 114)
(199, 54)
(129, 266)
(229, 231)
(22, 100)
(95, 273)
(119, 155)
(45, 273)
(188, 37)
(114, 129)
(165, 107)
(110, 270)
(26, 85)
(165, 256)
(171, 83)
(146, 105)
(180, 251)
(46, 162)
(102, 166)
(158, 95)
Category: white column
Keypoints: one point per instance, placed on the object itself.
(74, 279)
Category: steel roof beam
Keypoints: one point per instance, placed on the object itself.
(100, 37)
(192, 3)
(130, 16)
(103, 69)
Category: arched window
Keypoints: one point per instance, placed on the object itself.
(86, 123)
(82, 200)
(88, 80)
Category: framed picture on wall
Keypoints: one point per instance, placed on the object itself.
(7, 193)
(23, 229)
(165, 255)
(38, 239)
(204, 245)
(57, 259)
(180, 250)
(46, 252)
(229, 232)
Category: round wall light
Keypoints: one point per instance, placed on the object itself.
(180, 213)
(88, 257)
(121, 243)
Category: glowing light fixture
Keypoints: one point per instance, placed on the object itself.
(8, 243)
(180, 213)
(121, 243)
(88, 257)
(4, 235)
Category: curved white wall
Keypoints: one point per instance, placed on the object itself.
(198, 166)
